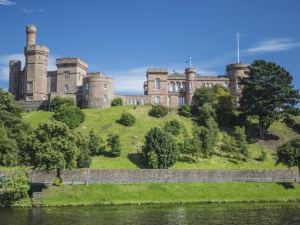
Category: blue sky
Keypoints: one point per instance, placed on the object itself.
(122, 38)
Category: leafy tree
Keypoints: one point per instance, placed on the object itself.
(8, 149)
(52, 146)
(185, 111)
(59, 101)
(207, 114)
(228, 143)
(289, 153)
(8, 103)
(173, 127)
(241, 142)
(127, 119)
(203, 96)
(113, 142)
(14, 187)
(162, 145)
(70, 115)
(225, 110)
(94, 143)
(82, 144)
(158, 111)
(267, 92)
(117, 101)
(206, 138)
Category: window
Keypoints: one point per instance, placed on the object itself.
(177, 87)
(66, 88)
(172, 87)
(105, 98)
(183, 86)
(29, 98)
(67, 75)
(105, 86)
(86, 97)
(238, 85)
(181, 101)
(29, 85)
(142, 102)
(157, 84)
(169, 101)
(157, 100)
(226, 84)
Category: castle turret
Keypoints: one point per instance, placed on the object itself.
(36, 62)
(14, 77)
(190, 84)
(31, 34)
(235, 73)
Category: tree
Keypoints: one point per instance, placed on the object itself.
(52, 146)
(94, 144)
(8, 149)
(117, 102)
(113, 142)
(12, 188)
(289, 154)
(185, 111)
(241, 142)
(127, 119)
(70, 115)
(160, 146)
(59, 101)
(84, 152)
(173, 127)
(8, 103)
(158, 111)
(267, 92)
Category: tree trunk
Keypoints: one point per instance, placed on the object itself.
(262, 129)
(58, 173)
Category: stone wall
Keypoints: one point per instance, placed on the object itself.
(168, 176)
(33, 106)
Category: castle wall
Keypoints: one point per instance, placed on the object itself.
(134, 99)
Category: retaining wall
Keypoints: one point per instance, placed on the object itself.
(167, 176)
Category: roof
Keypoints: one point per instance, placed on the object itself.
(175, 74)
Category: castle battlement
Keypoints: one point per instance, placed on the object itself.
(157, 70)
(60, 62)
(36, 48)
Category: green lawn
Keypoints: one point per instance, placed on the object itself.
(101, 194)
(132, 138)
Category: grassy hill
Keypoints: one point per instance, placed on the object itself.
(132, 138)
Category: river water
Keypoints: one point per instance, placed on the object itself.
(229, 213)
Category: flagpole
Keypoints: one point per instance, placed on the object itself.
(238, 46)
(190, 62)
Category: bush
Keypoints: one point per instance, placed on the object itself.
(59, 101)
(241, 142)
(159, 149)
(117, 102)
(263, 156)
(84, 153)
(173, 127)
(14, 187)
(94, 143)
(8, 149)
(228, 143)
(185, 111)
(58, 182)
(113, 142)
(158, 111)
(70, 115)
(127, 119)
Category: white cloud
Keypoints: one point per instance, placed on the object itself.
(273, 45)
(4, 64)
(6, 2)
(26, 10)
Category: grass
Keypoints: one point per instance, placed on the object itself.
(103, 121)
(103, 194)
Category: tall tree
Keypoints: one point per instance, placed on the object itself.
(267, 92)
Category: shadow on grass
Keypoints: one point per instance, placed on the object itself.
(137, 159)
(108, 154)
(286, 185)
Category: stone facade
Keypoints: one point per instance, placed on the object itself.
(34, 83)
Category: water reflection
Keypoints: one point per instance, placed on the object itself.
(275, 213)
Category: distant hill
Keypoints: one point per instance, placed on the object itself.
(103, 121)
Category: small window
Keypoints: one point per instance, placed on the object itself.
(105, 98)
(66, 88)
(157, 84)
(105, 86)
(226, 84)
(157, 100)
(67, 75)
(29, 98)
(29, 85)
(169, 101)
(181, 101)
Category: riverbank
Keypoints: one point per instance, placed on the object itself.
(155, 193)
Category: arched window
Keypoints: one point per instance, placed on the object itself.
(157, 84)
(183, 86)
(177, 87)
(172, 87)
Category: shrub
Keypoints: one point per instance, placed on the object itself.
(70, 115)
(113, 142)
(94, 143)
(58, 182)
(228, 143)
(127, 119)
(162, 145)
(13, 188)
(158, 111)
(263, 156)
(117, 102)
(8, 149)
(173, 127)
(59, 101)
(84, 153)
(289, 153)
(185, 111)
(241, 142)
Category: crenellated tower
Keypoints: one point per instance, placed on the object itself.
(190, 74)
(35, 71)
(15, 78)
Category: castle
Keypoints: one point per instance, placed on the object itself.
(35, 84)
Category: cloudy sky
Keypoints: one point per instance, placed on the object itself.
(123, 38)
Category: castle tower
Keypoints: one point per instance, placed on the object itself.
(235, 73)
(36, 63)
(190, 84)
(14, 77)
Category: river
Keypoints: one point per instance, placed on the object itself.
(229, 213)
